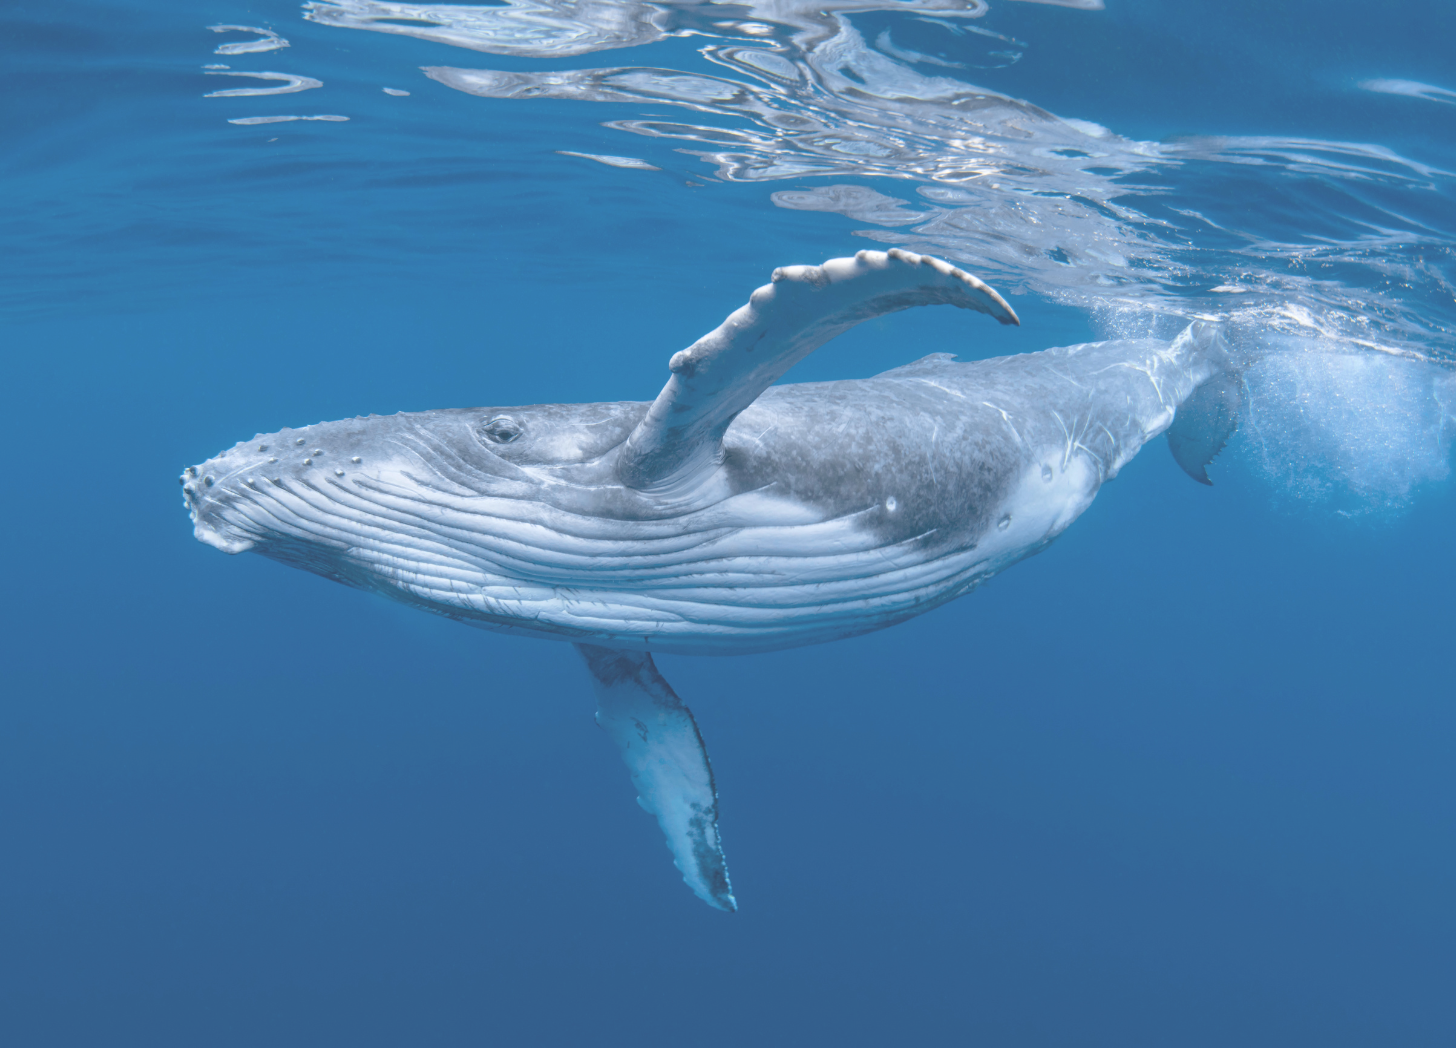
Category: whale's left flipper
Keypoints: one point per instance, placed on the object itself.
(660, 742)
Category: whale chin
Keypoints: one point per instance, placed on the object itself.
(228, 543)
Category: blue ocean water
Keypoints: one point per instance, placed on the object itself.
(1182, 779)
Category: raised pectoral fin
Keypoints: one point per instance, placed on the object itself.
(805, 306)
(660, 744)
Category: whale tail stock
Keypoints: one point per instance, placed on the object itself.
(1209, 415)
(784, 321)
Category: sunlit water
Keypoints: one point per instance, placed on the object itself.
(1183, 779)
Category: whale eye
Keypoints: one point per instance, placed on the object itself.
(501, 430)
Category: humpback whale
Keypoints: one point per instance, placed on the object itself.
(729, 514)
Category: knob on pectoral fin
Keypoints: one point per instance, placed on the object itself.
(659, 741)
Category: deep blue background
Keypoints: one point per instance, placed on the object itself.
(1183, 779)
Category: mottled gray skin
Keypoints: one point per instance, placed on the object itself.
(836, 508)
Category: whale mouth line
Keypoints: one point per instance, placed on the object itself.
(210, 535)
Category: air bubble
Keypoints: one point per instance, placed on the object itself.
(1357, 432)
(1004, 522)
(891, 504)
(1046, 473)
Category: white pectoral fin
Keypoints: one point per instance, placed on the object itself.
(659, 741)
(805, 306)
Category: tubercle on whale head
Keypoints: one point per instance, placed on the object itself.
(197, 483)
(231, 495)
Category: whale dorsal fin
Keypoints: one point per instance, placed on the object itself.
(784, 321)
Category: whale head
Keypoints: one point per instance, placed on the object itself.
(354, 484)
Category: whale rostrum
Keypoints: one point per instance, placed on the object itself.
(729, 514)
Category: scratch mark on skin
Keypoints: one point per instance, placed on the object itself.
(1067, 435)
(934, 438)
(943, 389)
(1146, 371)
(1111, 441)
(1074, 436)
(1101, 466)
(1067, 378)
(1006, 419)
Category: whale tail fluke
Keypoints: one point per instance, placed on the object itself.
(1205, 422)
(1209, 415)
